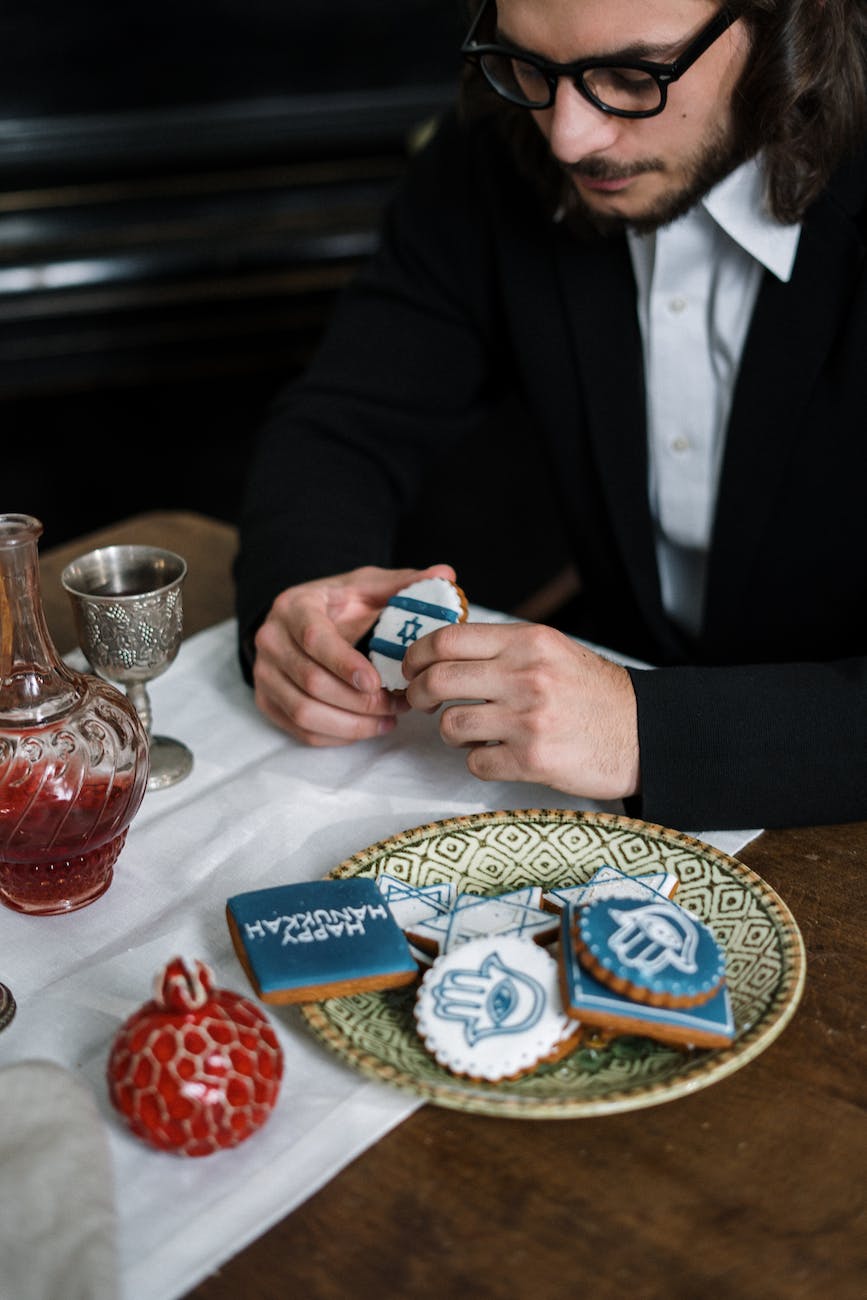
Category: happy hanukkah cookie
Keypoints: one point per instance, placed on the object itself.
(651, 950)
(319, 939)
(491, 1009)
(412, 613)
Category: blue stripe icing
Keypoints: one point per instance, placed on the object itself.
(390, 649)
(422, 607)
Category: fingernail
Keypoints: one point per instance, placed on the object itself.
(386, 724)
(362, 682)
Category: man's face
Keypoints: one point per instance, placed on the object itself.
(640, 172)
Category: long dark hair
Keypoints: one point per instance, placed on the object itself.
(803, 96)
(802, 100)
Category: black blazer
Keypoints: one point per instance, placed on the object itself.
(762, 720)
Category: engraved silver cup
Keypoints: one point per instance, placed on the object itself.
(128, 612)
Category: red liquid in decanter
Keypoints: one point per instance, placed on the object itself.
(73, 753)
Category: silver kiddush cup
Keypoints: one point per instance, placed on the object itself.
(128, 612)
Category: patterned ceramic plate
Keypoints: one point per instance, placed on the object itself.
(490, 853)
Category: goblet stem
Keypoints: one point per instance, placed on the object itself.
(141, 702)
(170, 760)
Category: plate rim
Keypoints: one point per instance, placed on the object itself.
(496, 1100)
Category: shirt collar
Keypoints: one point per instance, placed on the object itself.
(737, 206)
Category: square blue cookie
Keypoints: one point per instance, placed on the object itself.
(318, 939)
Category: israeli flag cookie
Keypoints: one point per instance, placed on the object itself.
(491, 1009)
(653, 951)
(417, 610)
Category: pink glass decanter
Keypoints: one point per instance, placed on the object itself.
(73, 752)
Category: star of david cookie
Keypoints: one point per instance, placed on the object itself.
(414, 612)
(491, 1009)
(411, 904)
(611, 882)
(517, 913)
(651, 950)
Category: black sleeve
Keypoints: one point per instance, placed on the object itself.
(752, 745)
(403, 372)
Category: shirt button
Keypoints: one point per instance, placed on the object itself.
(680, 445)
(677, 305)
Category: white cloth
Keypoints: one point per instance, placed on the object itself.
(57, 1215)
(257, 810)
(697, 281)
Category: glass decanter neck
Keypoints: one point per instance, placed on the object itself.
(35, 685)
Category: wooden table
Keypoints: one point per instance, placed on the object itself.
(751, 1189)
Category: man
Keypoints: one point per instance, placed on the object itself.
(654, 229)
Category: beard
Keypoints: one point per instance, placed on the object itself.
(710, 164)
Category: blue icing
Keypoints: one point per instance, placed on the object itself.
(413, 606)
(597, 1004)
(492, 999)
(319, 932)
(655, 945)
(388, 648)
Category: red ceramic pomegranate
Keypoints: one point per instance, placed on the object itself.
(197, 1069)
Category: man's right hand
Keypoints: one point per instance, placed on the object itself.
(308, 677)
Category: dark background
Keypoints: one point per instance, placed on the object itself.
(184, 187)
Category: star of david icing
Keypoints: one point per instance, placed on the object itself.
(409, 631)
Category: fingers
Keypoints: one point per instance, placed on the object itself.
(379, 585)
(456, 643)
(454, 663)
(314, 722)
(328, 617)
(300, 630)
(308, 677)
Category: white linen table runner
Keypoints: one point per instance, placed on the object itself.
(258, 810)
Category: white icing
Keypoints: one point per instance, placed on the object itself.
(501, 914)
(611, 882)
(410, 904)
(491, 1008)
(314, 926)
(401, 628)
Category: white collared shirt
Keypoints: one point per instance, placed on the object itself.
(698, 280)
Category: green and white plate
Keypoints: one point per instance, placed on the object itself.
(490, 853)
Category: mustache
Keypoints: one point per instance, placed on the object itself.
(598, 169)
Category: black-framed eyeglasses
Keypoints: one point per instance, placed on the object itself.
(624, 87)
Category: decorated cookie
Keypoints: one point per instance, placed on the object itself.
(415, 611)
(651, 950)
(517, 913)
(611, 882)
(318, 939)
(491, 1009)
(410, 904)
(601, 1009)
